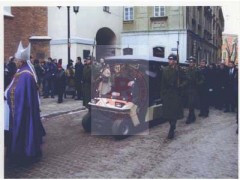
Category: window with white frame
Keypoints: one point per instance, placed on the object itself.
(159, 11)
(128, 13)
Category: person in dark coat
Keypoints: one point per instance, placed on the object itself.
(193, 80)
(212, 84)
(204, 90)
(231, 82)
(7, 77)
(171, 82)
(39, 72)
(70, 81)
(87, 79)
(221, 95)
(78, 78)
(11, 66)
(49, 77)
(60, 83)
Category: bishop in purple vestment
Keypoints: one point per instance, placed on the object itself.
(25, 126)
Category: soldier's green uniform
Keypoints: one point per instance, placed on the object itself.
(193, 80)
(172, 104)
(87, 76)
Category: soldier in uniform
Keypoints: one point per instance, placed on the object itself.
(87, 79)
(204, 90)
(193, 79)
(172, 105)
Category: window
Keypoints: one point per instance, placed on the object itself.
(159, 11)
(106, 9)
(159, 51)
(128, 13)
(127, 51)
(86, 53)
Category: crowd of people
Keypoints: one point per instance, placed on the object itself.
(192, 87)
(52, 78)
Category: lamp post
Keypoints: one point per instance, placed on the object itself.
(75, 9)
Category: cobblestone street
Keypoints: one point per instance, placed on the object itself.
(206, 149)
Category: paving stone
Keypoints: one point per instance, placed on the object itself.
(206, 149)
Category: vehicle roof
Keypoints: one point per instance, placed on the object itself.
(135, 58)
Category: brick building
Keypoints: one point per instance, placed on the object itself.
(26, 24)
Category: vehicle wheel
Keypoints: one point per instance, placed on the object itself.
(86, 122)
(121, 129)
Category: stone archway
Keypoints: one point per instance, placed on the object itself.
(105, 43)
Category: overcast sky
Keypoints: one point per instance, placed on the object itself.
(231, 13)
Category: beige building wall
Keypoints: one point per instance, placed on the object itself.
(144, 19)
(198, 29)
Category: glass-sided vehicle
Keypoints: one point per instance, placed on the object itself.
(134, 99)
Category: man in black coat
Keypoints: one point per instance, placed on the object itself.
(222, 75)
(231, 83)
(87, 80)
(204, 89)
(212, 84)
(11, 66)
(78, 77)
(60, 83)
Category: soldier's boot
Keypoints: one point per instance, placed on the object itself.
(188, 120)
(172, 128)
(193, 116)
(171, 133)
(190, 117)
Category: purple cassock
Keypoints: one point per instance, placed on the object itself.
(25, 125)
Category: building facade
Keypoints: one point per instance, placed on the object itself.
(103, 31)
(230, 48)
(161, 30)
(94, 31)
(205, 25)
(26, 24)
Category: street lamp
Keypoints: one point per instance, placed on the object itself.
(75, 9)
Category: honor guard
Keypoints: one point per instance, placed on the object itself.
(193, 79)
(172, 105)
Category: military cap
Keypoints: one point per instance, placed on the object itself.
(191, 59)
(172, 57)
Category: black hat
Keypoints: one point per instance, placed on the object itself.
(191, 59)
(172, 57)
(71, 60)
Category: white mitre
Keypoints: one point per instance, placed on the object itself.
(23, 54)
